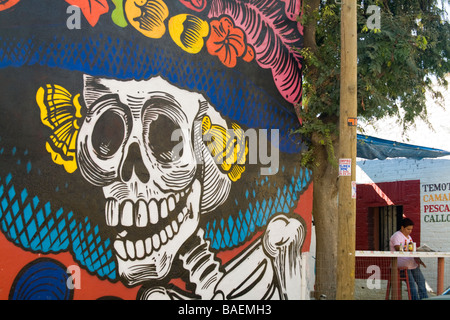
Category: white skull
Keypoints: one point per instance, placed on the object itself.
(154, 189)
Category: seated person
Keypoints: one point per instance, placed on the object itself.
(415, 275)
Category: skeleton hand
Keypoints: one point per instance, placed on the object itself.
(271, 267)
(282, 241)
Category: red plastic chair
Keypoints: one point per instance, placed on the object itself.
(402, 276)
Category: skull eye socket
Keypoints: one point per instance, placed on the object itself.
(161, 140)
(108, 134)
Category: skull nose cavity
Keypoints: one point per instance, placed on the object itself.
(134, 162)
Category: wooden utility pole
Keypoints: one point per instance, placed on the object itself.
(347, 154)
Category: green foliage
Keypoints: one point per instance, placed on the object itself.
(397, 63)
(315, 126)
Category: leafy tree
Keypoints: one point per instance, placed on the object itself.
(397, 64)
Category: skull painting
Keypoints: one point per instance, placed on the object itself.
(141, 142)
(152, 181)
(145, 144)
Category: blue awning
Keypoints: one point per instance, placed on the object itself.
(375, 148)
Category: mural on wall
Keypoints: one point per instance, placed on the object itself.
(149, 144)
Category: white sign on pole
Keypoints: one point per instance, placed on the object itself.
(345, 167)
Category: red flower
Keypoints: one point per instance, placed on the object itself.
(196, 5)
(249, 54)
(6, 4)
(92, 9)
(226, 41)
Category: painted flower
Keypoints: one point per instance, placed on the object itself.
(188, 31)
(249, 54)
(92, 9)
(147, 16)
(196, 5)
(6, 4)
(226, 41)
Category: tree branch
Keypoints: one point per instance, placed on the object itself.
(309, 28)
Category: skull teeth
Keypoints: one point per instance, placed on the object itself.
(141, 213)
(162, 216)
(128, 249)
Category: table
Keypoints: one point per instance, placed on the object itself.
(416, 254)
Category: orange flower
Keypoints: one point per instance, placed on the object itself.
(249, 54)
(92, 9)
(6, 4)
(226, 41)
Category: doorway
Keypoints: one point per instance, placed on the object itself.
(387, 221)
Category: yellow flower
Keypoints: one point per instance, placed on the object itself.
(188, 31)
(147, 16)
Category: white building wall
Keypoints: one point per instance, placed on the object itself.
(434, 176)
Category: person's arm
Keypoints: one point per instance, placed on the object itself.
(420, 262)
(395, 241)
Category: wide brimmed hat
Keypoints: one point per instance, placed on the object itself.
(239, 54)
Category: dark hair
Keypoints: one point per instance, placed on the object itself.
(407, 222)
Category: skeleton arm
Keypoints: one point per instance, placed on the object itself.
(270, 268)
(249, 273)
(283, 241)
(273, 262)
